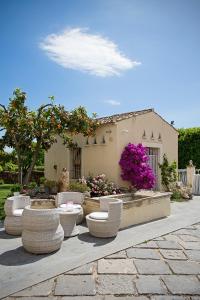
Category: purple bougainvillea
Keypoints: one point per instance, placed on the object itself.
(135, 167)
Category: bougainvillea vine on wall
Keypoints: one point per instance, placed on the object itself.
(135, 167)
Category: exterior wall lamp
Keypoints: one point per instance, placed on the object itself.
(125, 131)
(109, 131)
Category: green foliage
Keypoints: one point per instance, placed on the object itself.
(5, 192)
(30, 133)
(7, 161)
(1, 181)
(16, 188)
(168, 173)
(32, 185)
(42, 180)
(78, 187)
(7, 157)
(50, 183)
(40, 159)
(9, 166)
(189, 145)
(176, 195)
(39, 168)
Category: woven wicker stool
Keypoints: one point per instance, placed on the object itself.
(42, 232)
(68, 222)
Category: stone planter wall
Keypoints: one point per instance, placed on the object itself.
(148, 206)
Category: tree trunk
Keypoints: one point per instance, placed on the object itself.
(19, 162)
(30, 169)
(19, 168)
(20, 180)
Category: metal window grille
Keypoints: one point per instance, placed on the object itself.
(76, 163)
(153, 163)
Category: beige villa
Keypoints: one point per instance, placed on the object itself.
(101, 154)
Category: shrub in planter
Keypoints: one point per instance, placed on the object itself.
(100, 186)
(42, 180)
(135, 167)
(32, 188)
(51, 186)
(16, 188)
(78, 187)
(32, 185)
(42, 184)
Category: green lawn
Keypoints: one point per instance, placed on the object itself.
(4, 193)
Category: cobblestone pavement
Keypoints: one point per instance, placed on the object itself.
(166, 268)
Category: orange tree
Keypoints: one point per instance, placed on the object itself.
(28, 132)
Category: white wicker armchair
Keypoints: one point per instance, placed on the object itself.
(106, 222)
(75, 197)
(14, 207)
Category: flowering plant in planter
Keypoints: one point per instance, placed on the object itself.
(135, 167)
(100, 186)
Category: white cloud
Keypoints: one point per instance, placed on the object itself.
(112, 102)
(77, 49)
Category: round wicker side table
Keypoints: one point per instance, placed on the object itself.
(42, 232)
(68, 222)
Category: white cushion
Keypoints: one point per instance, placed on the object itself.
(99, 215)
(65, 205)
(18, 212)
(77, 206)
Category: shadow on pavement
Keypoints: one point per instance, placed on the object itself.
(19, 256)
(86, 237)
(5, 236)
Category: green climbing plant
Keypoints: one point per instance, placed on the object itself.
(168, 173)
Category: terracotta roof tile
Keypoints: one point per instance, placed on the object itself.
(123, 116)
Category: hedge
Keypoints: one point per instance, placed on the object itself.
(189, 147)
(12, 177)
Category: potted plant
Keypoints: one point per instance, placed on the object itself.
(16, 189)
(33, 188)
(51, 187)
(79, 186)
(42, 184)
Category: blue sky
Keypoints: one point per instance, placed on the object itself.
(111, 56)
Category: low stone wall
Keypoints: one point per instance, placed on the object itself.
(147, 206)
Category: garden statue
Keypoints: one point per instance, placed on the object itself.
(64, 181)
(191, 170)
(191, 163)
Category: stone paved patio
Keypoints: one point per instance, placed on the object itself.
(165, 268)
